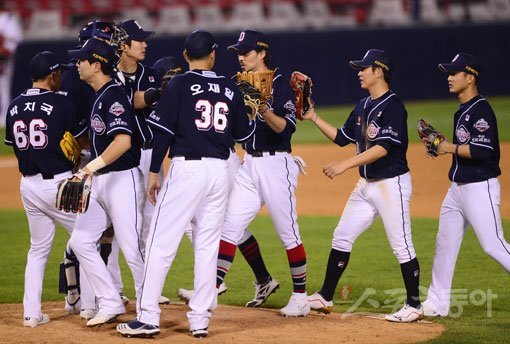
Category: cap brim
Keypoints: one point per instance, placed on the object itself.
(358, 64)
(78, 54)
(450, 68)
(240, 48)
(142, 36)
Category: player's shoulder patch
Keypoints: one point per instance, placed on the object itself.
(117, 109)
(481, 125)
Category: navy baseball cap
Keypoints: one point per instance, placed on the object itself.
(199, 43)
(96, 28)
(167, 63)
(462, 62)
(250, 40)
(43, 63)
(135, 31)
(375, 58)
(95, 49)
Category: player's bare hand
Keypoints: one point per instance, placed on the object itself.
(153, 187)
(334, 169)
(311, 115)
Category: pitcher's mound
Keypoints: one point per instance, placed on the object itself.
(228, 325)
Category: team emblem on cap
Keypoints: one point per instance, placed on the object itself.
(481, 125)
(117, 109)
(97, 124)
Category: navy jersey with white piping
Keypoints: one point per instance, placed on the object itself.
(112, 114)
(201, 113)
(81, 93)
(35, 123)
(282, 104)
(383, 122)
(143, 79)
(475, 124)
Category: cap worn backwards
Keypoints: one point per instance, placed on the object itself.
(462, 62)
(43, 63)
(250, 40)
(373, 58)
(135, 31)
(167, 63)
(199, 43)
(95, 49)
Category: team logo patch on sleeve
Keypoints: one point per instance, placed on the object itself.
(481, 125)
(462, 134)
(97, 124)
(117, 109)
(372, 130)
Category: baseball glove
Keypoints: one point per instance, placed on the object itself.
(71, 148)
(251, 98)
(302, 87)
(168, 76)
(73, 193)
(431, 137)
(262, 81)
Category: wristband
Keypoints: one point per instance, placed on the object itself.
(96, 164)
(151, 96)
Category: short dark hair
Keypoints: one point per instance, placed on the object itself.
(267, 58)
(387, 75)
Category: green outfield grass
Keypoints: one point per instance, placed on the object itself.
(372, 269)
(438, 112)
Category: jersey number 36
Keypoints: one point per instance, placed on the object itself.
(211, 116)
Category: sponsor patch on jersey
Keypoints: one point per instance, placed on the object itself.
(462, 134)
(117, 109)
(372, 130)
(33, 91)
(467, 118)
(481, 125)
(358, 121)
(97, 124)
(151, 79)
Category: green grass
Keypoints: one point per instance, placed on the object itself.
(438, 112)
(372, 265)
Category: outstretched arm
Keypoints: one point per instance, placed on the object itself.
(327, 129)
(337, 168)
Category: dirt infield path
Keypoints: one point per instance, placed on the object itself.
(228, 325)
(318, 195)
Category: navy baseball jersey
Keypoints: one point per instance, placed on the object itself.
(112, 114)
(282, 104)
(475, 125)
(209, 112)
(81, 93)
(36, 121)
(383, 122)
(143, 79)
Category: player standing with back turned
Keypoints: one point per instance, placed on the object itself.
(378, 127)
(474, 195)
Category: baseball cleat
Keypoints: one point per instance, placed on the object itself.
(163, 300)
(186, 294)
(262, 292)
(200, 333)
(137, 329)
(297, 306)
(87, 314)
(318, 303)
(34, 322)
(406, 314)
(428, 311)
(101, 319)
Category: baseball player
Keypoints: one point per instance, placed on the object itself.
(198, 116)
(267, 176)
(378, 128)
(115, 154)
(35, 124)
(474, 195)
(142, 86)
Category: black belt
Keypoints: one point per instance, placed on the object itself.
(192, 158)
(147, 145)
(259, 154)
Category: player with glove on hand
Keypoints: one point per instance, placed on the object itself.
(474, 195)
